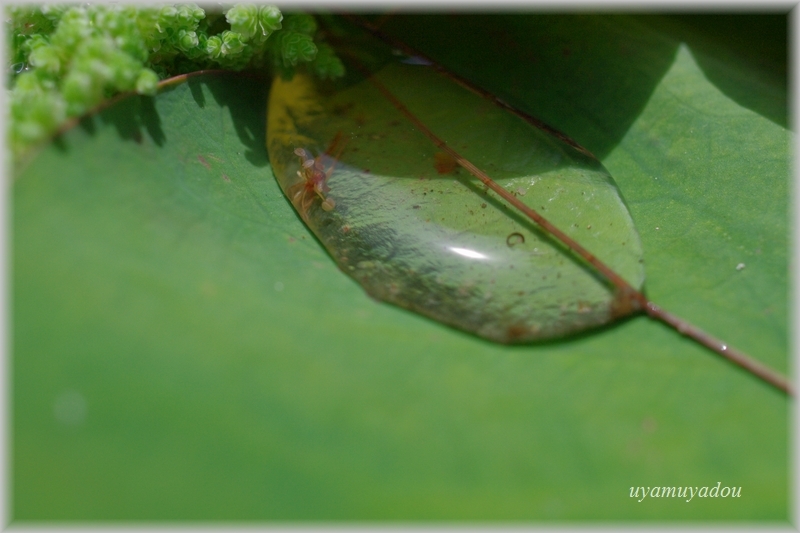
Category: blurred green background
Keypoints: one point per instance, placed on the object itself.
(183, 348)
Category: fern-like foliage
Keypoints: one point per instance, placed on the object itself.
(66, 59)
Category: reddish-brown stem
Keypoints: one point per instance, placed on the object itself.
(175, 80)
(628, 297)
(722, 348)
(73, 121)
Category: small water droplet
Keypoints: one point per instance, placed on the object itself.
(278, 286)
(515, 239)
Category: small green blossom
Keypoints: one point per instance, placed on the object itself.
(243, 19)
(186, 40)
(214, 47)
(189, 15)
(296, 48)
(327, 64)
(44, 56)
(166, 18)
(80, 90)
(147, 82)
(232, 43)
(269, 20)
(254, 22)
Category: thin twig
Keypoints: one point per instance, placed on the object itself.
(722, 348)
(22, 160)
(628, 297)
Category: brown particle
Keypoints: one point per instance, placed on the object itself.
(444, 163)
(483, 206)
(203, 162)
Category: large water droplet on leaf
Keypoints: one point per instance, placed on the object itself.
(413, 228)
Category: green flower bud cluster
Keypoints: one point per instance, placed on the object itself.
(66, 59)
(254, 23)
